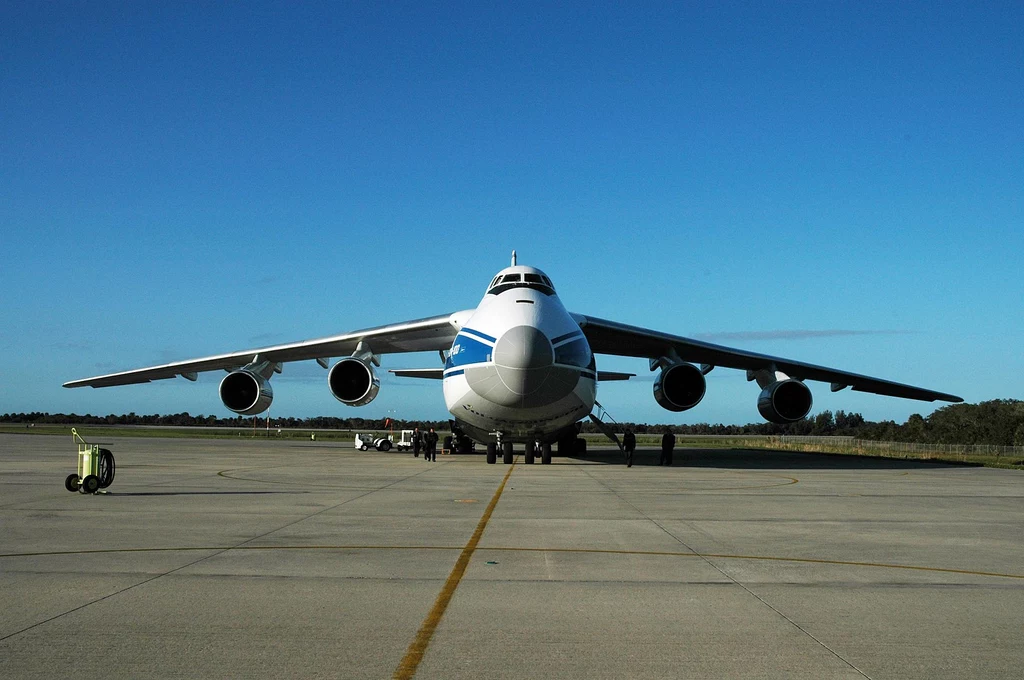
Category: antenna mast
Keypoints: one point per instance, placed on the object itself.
(513, 258)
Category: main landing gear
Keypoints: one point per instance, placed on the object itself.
(532, 451)
(506, 452)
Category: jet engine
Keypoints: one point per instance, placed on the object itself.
(679, 387)
(784, 401)
(353, 381)
(245, 392)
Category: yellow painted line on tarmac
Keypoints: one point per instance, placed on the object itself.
(414, 655)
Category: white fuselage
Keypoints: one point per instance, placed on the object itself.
(520, 368)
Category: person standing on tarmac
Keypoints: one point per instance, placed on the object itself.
(430, 453)
(628, 446)
(668, 442)
(417, 442)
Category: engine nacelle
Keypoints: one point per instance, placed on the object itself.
(679, 387)
(353, 382)
(246, 393)
(784, 401)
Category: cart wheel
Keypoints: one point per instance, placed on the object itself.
(106, 468)
(72, 483)
(91, 484)
(363, 447)
(384, 446)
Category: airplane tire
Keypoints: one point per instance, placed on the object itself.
(581, 445)
(545, 454)
(492, 454)
(72, 482)
(107, 469)
(91, 484)
(529, 457)
(506, 451)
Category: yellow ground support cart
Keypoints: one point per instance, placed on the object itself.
(95, 467)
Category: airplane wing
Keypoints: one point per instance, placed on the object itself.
(610, 337)
(431, 334)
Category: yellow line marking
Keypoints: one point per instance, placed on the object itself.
(414, 655)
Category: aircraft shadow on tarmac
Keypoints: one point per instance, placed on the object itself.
(749, 459)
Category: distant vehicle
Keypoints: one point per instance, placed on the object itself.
(405, 443)
(365, 441)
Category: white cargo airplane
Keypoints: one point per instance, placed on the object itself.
(518, 368)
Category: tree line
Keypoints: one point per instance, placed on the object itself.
(999, 422)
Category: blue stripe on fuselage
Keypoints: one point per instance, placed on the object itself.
(479, 335)
(468, 350)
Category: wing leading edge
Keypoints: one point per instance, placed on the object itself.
(422, 335)
(610, 337)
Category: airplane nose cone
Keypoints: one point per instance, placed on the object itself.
(523, 347)
(524, 374)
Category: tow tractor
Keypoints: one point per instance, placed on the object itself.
(95, 467)
(365, 441)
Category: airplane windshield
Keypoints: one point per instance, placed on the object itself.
(508, 281)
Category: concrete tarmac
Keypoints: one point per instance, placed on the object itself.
(256, 558)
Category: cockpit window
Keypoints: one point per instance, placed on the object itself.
(535, 281)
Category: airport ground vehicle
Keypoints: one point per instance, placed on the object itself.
(364, 441)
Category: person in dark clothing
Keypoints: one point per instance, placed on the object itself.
(668, 442)
(417, 442)
(430, 453)
(628, 446)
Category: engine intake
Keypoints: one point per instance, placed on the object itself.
(353, 382)
(246, 393)
(679, 387)
(784, 401)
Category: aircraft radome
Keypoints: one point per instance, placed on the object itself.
(518, 368)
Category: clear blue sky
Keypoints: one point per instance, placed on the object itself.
(183, 180)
